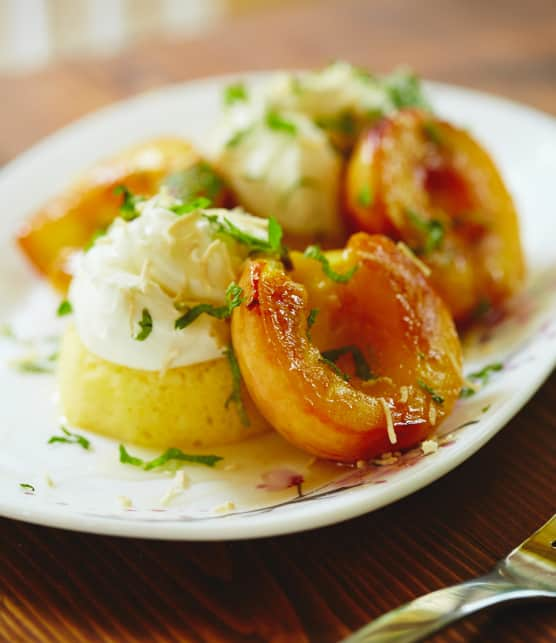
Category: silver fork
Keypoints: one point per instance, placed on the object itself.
(529, 572)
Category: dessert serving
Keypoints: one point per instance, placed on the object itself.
(307, 271)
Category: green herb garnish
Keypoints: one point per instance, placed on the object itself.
(433, 230)
(343, 123)
(404, 90)
(197, 180)
(362, 369)
(434, 395)
(334, 368)
(7, 331)
(64, 308)
(27, 487)
(235, 395)
(365, 196)
(145, 325)
(170, 454)
(273, 244)
(128, 209)
(314, 252)
(311, 319)
(276, 122)
(97, 234)
(481, 377)
(432, 132)
(200, 203)
(70, 438)
(233, 300)
(235, 93)
(238, 137)
(41, 365)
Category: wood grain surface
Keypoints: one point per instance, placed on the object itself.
(315, 586)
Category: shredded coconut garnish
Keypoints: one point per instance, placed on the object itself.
(389, 423)
(404, 394)
(429, 446)
(225, 508)
(432, 414)
(125, 502)
(411, 255)
(49, 480)
(181, 482)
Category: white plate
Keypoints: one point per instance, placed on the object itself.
(86, 485)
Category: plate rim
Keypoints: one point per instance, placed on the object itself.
(315, 516)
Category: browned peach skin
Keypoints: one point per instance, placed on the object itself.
(387, 310)
(68, 221)
(414, 163)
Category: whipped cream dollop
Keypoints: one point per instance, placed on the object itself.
(276, 146)
(281, 166)
(152, 263)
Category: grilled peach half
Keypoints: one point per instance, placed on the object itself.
(375, 370)
(68, 221)
(421, 180)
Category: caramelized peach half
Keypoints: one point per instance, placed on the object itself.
(69, 221)
(430, 184)
(377, 370)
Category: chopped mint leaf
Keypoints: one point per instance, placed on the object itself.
(145, 325)
(64, 308)
(170, 454)
(482, 378)
(235, 93)
(362, 369)
(344, 123)
(27, 487)
(197, 180)
(273, 245)
(70, 438)
(311, 319)
(7, 331)
(238, 137)
(432, 132)
(128, 208)
(97, 234)
(404, 90)
(36, 365)
(233, 300)
(314, 252)
(432, 230)
(334, 368)
(276, 122)
(235, 395)
(200, 203)
(365, 196)
(434, 395)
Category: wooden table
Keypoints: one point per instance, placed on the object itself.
(317, 586)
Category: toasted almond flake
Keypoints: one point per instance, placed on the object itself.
(432, 414)
(231, 466)
(404, 394)
(361, 464)
(225, 508)
(429, 446)
(383, 462)
(125, 502)
(389, 423)
(181, 482)
(411, 255)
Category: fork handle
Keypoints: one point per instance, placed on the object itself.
(427, 614)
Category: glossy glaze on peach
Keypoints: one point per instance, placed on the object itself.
(411, 162)
(388, 310)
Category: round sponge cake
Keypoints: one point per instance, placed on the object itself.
(181, 407)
